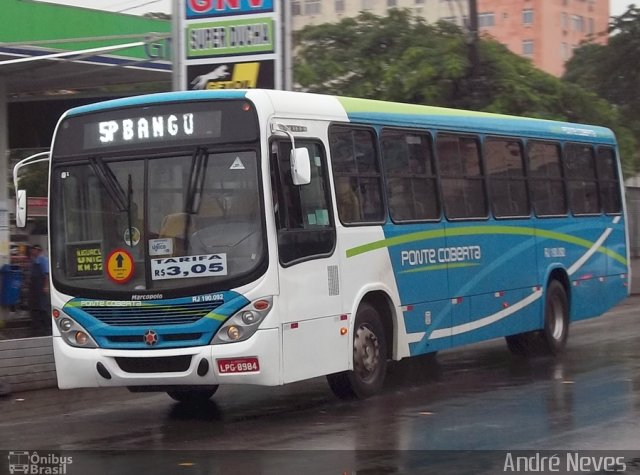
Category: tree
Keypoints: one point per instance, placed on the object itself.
(611, 70)
(401, 58)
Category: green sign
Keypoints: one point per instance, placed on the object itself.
(227, 38)
(84, 259)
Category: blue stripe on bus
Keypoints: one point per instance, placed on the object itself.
(159, 98)
(498, 125)
(584, 247)
(123, 336)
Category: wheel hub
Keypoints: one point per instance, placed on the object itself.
(366, 352)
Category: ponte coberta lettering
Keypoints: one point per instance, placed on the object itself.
(440, 255)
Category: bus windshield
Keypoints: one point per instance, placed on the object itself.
(155, 220)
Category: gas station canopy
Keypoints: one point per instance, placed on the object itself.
(51, 50)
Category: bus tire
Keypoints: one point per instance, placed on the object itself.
(369, 358)
(552, 339)
(191, 395)
(556, 320)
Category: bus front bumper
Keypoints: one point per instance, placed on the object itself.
(254, 361)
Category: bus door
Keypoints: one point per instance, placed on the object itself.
(308, 267)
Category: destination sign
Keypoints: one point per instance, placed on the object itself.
(151, 125)
(160, 128)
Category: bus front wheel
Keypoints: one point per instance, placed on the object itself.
(369, 358)
(192, 395)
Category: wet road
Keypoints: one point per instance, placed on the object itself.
(476, 398)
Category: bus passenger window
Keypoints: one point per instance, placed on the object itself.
(462, 178)
(608, 180)
(507, 180)
(411, 183)
(546, 178)
(580, 167)
(356, 174)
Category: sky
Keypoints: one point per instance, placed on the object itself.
(139, 7)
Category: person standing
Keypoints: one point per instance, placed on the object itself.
(39, 292)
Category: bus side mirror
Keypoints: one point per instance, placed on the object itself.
(21, 208)
(300, 166)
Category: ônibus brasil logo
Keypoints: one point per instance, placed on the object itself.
(22, 461)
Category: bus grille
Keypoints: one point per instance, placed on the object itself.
(163, 364)
(151, 314)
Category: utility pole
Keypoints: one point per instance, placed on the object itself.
(177, 45)
(474, 56)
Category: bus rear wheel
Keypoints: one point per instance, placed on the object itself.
(191, 395)
(369, 358)
(552, 339)
(556, 319)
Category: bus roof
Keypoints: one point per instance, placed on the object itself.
(367, 111)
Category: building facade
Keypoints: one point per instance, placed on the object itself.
(314, 12)
(546, 31)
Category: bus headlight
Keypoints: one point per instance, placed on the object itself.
(249, 317)
(234, 333)
(244, 323)
(65, 324)
(72, 332)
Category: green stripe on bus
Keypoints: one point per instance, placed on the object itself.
(475, 231)
(438, 267)
(216, 316)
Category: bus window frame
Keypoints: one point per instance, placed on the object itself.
(530, 178)
(380, 175)
(285, 201)
(525, 175)
(478, 139)
(568, 180)
(617, 181)
(436, 178)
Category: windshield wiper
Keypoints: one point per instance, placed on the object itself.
(111, 183)
(129, 194)
(196, 180)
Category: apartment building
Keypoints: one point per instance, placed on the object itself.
(314, 12)
(546, 31)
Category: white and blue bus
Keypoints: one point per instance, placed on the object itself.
(265, 237)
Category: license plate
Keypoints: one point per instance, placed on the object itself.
(238, 365)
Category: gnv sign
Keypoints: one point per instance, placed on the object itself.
(216, 8)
